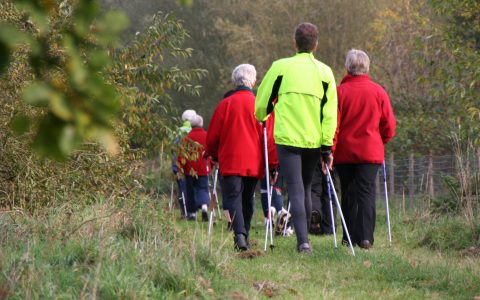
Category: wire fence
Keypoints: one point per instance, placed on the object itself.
(426, 176)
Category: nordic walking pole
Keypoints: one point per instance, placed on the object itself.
(340, 210)
(286, 220)
(331, 213)
(215, 179)
(389, 233)
(184, 204)
(170, 204)
(212, 203)
(269, 193)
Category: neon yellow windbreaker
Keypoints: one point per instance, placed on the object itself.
(305, 115)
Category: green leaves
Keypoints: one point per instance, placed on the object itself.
(38, 94)
(10, 38)
(110, 26)
(69, 54)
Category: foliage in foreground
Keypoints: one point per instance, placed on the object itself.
(78, 82)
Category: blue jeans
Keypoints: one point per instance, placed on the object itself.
(197, 192)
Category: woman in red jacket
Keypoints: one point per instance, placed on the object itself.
(234, 140)
(365, 123)
(194, 167)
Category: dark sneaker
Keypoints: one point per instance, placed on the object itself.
(365, 244)
(204, 216)
(304, 248)
(240, 242)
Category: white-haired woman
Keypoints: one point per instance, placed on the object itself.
(194, 168)
(365, 123)
(234, 140)
(181, 132)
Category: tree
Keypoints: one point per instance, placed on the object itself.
(124, 99)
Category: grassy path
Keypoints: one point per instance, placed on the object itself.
(398, 272)
(135, 249)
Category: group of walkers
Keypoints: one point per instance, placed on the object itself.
(312, 126)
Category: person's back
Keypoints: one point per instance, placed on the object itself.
(237, 136)
(302, 85)
(196, 139)
(364, 119)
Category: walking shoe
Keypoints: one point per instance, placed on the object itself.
(282, 221)
(240, 242)
(192, 217)
(304, 248)
(365, 244)
(204, 216)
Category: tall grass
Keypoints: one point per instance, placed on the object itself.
(130, 249)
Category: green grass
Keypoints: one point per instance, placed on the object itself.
(134, 249)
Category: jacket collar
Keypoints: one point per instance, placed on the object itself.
(304, 54)
(355, 78)
(243, 88)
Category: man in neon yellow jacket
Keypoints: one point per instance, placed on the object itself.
(302, 92)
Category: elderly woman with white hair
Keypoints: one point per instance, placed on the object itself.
(234, 140)
(181, 132)
(365, 123)
(194, 168)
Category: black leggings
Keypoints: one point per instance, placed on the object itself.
(297, 166)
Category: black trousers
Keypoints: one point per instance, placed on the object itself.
(321, 200)
(358, 199)
(297, 166)
(237, 192)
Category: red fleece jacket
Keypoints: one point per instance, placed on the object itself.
(365, 121)
(195, 140)
(235, 137)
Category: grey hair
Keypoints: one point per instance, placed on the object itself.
(244, 74)
(357, 62)
(197, 121)
(188, 115)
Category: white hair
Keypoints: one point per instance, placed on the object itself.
(357, 62)
(188, 115)
(197, 121)
(244, 74)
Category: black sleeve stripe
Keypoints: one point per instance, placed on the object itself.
(324, 99)
(274, 94)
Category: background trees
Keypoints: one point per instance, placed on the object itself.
(91, 83)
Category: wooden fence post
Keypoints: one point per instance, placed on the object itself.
(391, 176)
(411, 182)
(478, 161)
(430, 178)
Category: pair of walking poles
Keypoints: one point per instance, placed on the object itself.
(213, 199)
(331, 188)
(268, 225)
